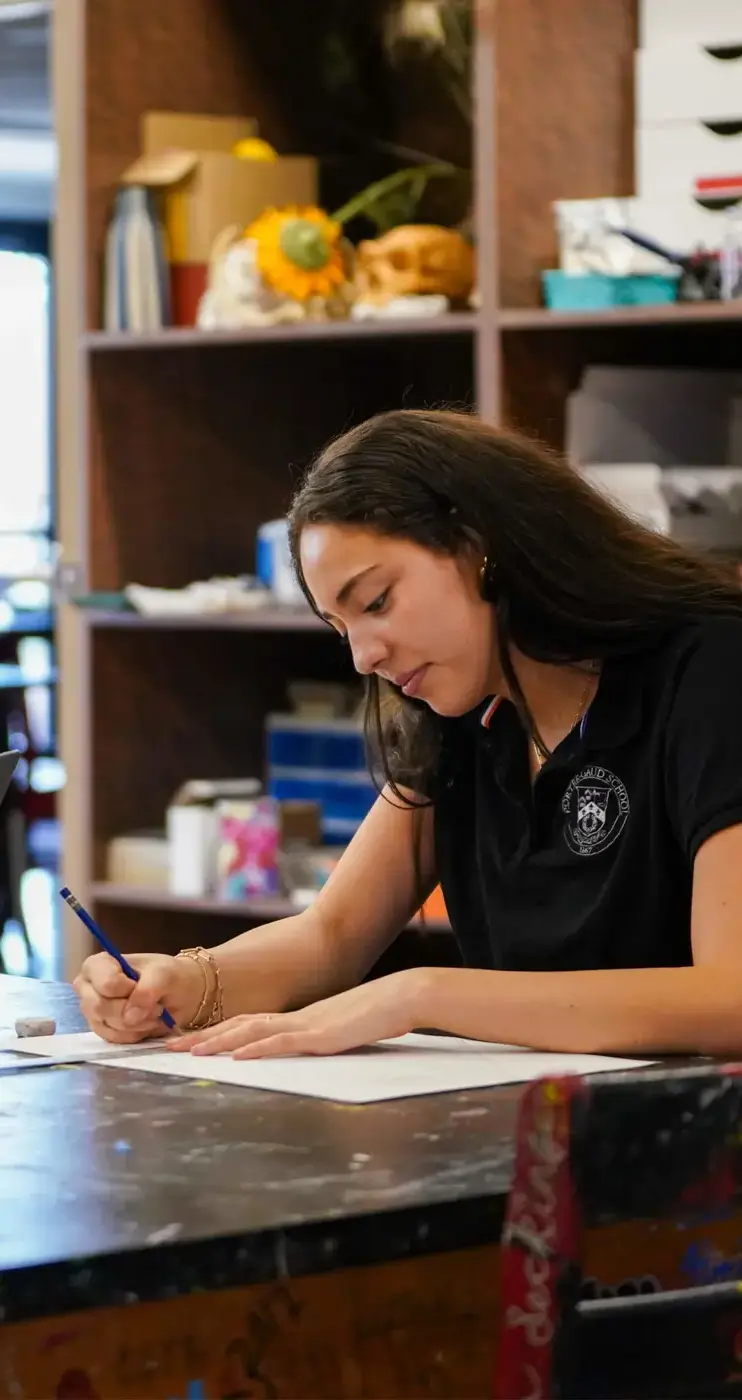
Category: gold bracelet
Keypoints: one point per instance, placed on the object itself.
(211, 1008)
(209, 1011)
(196, 1020)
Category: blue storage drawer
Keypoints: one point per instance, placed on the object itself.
(343, 803)
(305, 743)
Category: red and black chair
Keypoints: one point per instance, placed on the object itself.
(639, 1147)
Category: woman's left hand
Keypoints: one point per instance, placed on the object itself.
(377, 1010)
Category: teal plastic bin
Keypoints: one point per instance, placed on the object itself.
(598, 291)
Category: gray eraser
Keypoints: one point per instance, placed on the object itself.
(35, 1025)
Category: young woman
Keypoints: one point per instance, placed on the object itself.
(554, 696)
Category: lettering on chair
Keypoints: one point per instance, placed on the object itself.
(531, 1235)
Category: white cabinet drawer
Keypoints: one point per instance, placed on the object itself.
(671, 156)
(684, 82)
(705, 22)
(678, 222)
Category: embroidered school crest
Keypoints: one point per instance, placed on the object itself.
(596, 808)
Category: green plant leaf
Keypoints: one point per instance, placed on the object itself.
(394, 199)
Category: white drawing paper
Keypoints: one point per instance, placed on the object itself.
(404, 1068)
(393, 1069)
(85, 1044)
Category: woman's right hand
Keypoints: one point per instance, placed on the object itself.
(125, 1012)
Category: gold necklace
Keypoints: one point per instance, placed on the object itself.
(541, 754)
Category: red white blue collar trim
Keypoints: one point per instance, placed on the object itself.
(490, 710)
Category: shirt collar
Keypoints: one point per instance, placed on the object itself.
(490, 706)
(617, 710)
(615, 713)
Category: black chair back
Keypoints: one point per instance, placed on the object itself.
(646, 1146)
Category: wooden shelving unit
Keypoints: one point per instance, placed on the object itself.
(140, 897)
(264, 619)
(678, 314)
(250, 911)
(174, 447)
(181, 338)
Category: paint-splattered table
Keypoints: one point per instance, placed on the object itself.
(166, 1238)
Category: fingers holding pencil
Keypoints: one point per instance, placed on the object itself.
(124, 1011)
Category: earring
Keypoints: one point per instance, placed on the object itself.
(489, 582)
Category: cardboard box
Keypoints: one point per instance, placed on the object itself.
(205, 187)
(183, 131)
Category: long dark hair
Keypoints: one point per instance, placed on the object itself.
(571, 577)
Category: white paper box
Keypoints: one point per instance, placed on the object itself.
(705, 506)
(699, 21)
(191, 833)
(138, 858)
(677, 222)
(684, 82)
(671, 156)
(636, 487)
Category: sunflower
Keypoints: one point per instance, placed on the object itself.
(299, 251)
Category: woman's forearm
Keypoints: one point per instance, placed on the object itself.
(695, 1010)
(281, 966)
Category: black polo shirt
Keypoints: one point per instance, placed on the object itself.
(591, 866)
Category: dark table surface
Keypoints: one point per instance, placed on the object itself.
(116, 1184)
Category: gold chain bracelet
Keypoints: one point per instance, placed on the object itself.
(211, 1008)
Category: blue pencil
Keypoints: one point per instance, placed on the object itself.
(126, 967)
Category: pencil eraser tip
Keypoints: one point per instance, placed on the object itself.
(35, 1025)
